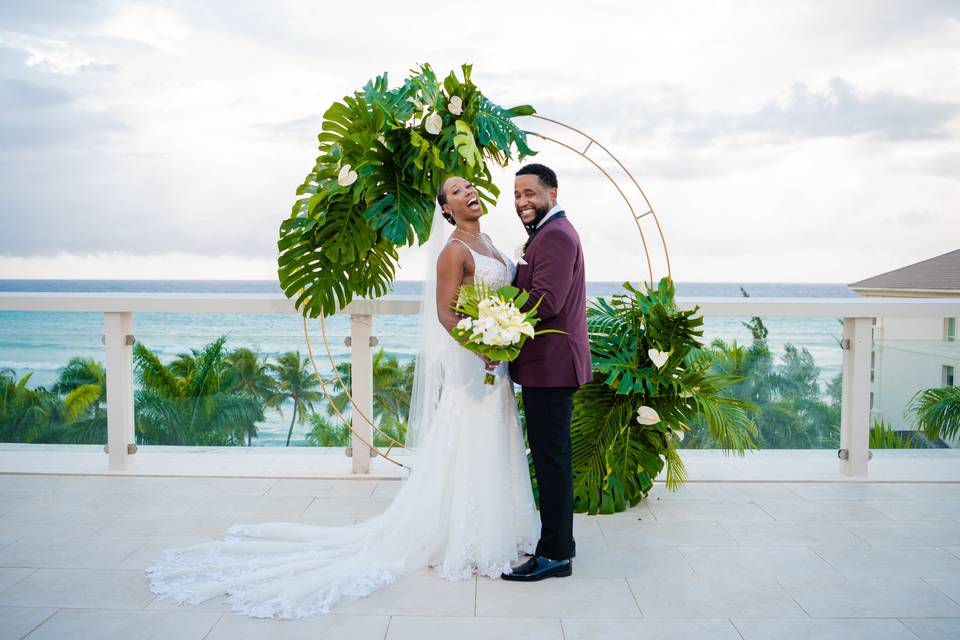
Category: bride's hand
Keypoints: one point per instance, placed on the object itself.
(488, 364)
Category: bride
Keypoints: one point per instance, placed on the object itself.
(466, 508)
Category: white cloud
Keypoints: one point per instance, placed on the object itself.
(777, 141)
(54, 56)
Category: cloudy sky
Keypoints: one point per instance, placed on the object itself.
(777, 141)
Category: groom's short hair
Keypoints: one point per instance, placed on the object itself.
(546, 175)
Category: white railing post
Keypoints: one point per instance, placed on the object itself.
(855, 397)
(118, 339)
(361, 384)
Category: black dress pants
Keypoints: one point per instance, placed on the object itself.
(548, 411)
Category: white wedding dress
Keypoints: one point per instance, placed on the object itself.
(466, 508)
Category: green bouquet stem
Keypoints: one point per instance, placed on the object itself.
(489, 379)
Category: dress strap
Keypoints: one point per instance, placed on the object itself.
(463, 243)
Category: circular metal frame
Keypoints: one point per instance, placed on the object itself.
(636, 214)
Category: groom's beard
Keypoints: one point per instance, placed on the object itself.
(541, 213)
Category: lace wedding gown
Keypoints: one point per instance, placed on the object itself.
(466, 508)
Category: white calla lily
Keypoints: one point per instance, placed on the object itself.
(455, 106)
(433, 123)
(647, 415)
(658, 357)
(347, 176)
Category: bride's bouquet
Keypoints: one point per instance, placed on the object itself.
(493, 324)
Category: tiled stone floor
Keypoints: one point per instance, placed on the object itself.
(717, 560)
(703, 465)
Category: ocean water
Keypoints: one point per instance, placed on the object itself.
(42, 342)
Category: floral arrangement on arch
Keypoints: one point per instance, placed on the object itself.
(652, 378)
(383, 154)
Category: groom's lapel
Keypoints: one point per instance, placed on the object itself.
(558, 214)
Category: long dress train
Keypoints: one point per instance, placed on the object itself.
(466, 508)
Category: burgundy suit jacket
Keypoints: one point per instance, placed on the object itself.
(554, 270)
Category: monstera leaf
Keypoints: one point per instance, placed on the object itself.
(617, 456)
(372, 187)
(398, 210)
(466, 144)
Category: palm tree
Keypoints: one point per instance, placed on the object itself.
(83, 385)
(936, 412)
(295, 383)
(247, 373)
(392, 384)
(325, 432)
(25, 414)
(183, 403)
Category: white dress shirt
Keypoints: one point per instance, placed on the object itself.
(550, 213)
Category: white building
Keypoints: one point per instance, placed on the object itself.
(910, 354)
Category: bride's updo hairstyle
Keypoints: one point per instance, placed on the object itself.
(442, 200)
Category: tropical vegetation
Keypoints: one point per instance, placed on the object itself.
(936, 412)
(211, 396)
(383, 154)
(652, 380)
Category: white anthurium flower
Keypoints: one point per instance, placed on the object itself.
(520, 326)
(347, 176)
(679, 435)
(518, 255)
(647, 415)
(455, 106)
(433, 123)
(416, 103)
(658, 358)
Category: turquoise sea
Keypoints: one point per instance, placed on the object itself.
(42, 342)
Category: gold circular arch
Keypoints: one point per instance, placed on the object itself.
(637, 213)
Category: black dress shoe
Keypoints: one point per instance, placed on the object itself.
(538, 568)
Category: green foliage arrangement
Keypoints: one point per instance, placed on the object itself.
(383, 155)
(652, 378)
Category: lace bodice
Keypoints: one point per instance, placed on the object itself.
(491, 271)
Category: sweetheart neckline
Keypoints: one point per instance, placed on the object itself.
(502, 263)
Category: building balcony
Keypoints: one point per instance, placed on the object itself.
(775, 544)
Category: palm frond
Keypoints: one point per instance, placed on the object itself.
(936, 412)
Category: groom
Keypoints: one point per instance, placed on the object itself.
(552, 366)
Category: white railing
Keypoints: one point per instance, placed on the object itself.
(118, 310)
